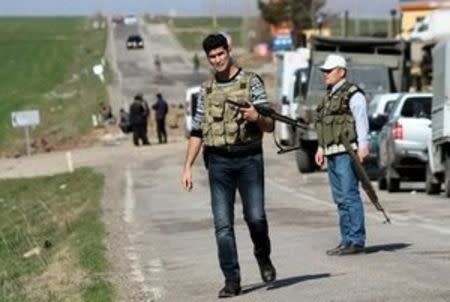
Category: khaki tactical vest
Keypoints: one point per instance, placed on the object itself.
(335, 121)
(223, 124)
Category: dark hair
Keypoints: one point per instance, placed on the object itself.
(159, 95)
(214, 41)
(139, 97)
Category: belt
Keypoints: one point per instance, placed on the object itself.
(235, 150)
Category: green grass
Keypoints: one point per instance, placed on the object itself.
(193, 40)
(64, 210)
(190, 31)
(46, 65)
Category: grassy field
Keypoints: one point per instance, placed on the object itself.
(46, 65)
(190, 31)
(60, 216)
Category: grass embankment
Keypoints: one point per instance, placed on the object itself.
(191, 31)
(60, 217)
(47, 66)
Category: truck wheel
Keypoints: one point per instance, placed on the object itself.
(431, 187)
(382, 185)
(393, 184)
(447, 177)
(305, 163)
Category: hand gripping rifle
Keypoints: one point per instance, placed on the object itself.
(269, 112)
(359, 169)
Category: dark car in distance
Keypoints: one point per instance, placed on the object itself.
(135, 41)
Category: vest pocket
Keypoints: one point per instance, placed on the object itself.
(231, 132)
(327, 130)
(217, 129)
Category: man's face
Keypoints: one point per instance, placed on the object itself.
(333, 76)
(219, 59)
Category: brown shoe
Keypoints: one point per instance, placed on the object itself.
(351, 250)
(335, 251)
(231, 289)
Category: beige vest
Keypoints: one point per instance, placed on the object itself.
(335, 122)
(223, 124)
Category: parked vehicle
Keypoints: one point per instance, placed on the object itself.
(130, 20)
(190, 107)
(135, 41)
(292, 69)
(374, 64)
(378, 112)
(438, 171)
(432, 27)
(403, 141)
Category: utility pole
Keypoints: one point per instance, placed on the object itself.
(246, 33)
(214, 13)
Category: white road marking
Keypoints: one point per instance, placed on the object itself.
(69, 161)
(397, 219)
(155, 265)
(130, 199)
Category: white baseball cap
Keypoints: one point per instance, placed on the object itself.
(333, 61)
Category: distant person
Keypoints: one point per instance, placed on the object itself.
(138, 120)
(157, 63)
(124, 121)
(106, 113)
(161, 109)
(196, 62)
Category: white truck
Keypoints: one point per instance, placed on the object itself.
(291, 70)
(438, 171)
(432, 27)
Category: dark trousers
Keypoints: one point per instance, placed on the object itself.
(161, 130)
(245, 174)
(140, 134)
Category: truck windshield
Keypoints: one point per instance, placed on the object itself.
(372, 79)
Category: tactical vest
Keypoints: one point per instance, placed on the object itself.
(223, 124)
(335, 121)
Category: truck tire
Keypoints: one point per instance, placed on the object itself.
(431, 187)
(382, 185)
(305, 162)
(392, 184)
(447, 176)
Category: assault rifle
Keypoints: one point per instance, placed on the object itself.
(269, 112)
(365, 181)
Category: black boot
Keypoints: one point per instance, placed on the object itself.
(231, 289)
(268, 273)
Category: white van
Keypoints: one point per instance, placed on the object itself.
(190, 107)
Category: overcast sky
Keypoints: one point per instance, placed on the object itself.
(180, 7)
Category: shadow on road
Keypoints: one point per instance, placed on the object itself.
(392, 247)
(283, 282)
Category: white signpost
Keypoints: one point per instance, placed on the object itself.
(25, 119)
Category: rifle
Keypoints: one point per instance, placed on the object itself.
(269, 112)
(365, 181)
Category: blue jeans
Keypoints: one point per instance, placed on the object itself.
(345, 189)
(246, 174)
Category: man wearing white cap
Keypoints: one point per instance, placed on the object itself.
(342, 122)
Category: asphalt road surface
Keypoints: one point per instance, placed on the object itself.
(163, 240)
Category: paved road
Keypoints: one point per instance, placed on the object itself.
(162, 240)
(137, 72)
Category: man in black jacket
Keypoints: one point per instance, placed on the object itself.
(161, 108)
(138, 119)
